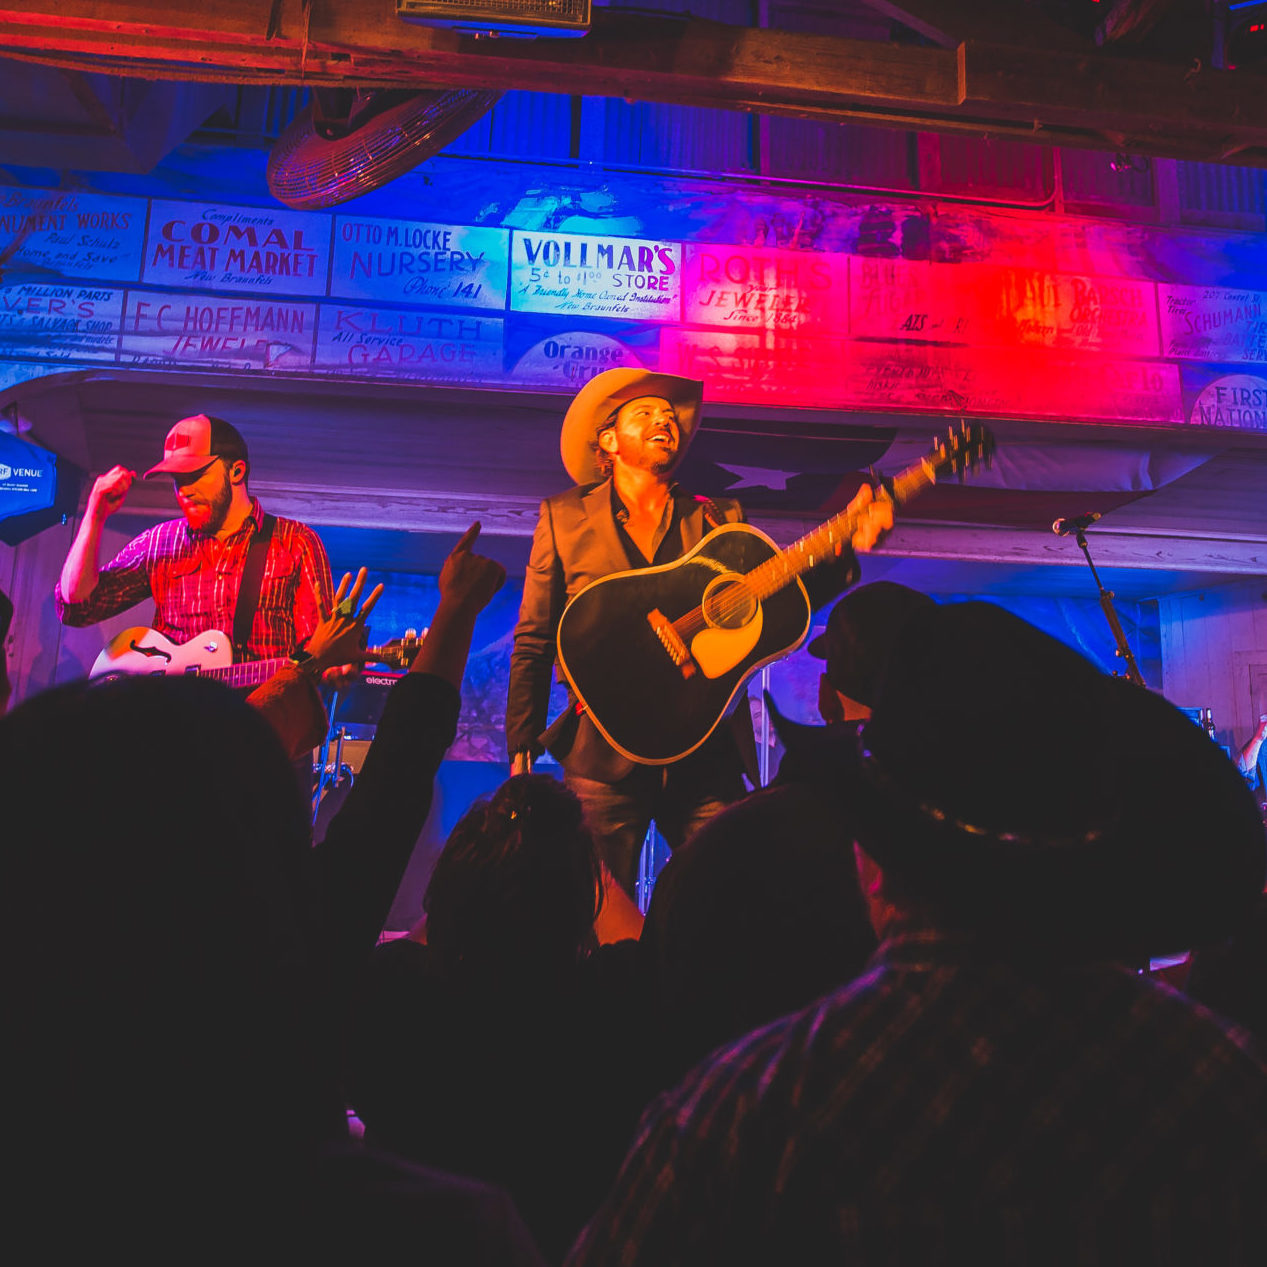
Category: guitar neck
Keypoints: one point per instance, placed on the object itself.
(250, 673)
(815, 547)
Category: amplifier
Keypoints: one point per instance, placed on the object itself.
(359, 704)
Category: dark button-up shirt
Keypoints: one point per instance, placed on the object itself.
(952, 1107)
(194, 583)
(667, 531)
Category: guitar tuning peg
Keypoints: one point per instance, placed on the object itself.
(410, 635)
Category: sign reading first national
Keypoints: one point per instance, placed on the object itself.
(257, 250)
(581, 276)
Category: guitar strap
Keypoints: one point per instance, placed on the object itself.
(249, 589)
(712, 516)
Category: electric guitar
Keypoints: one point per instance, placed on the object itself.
(146, 651)
(656, 655)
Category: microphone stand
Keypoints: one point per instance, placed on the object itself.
(1110, 614)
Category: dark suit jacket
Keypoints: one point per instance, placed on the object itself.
(577, 542)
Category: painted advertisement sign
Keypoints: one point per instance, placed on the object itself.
(895, 376)
(217, 332)
(982, 304)
(782, 300)
(580, 276)
(254, 249)
(739, 365)
(566, 361)
(403, 343)
(60, 322)
(1235, 401)
(52, 235)
(1210, 323)
(415, 262)
(745, 288)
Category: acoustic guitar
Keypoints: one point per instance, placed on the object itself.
(657, 655)
(210, 654)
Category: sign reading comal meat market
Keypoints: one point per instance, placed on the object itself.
(252, 249)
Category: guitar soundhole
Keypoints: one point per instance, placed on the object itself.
(728, 603)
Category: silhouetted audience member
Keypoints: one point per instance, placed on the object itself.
(171, 1086)
(171, 945)
(757, 915)
(1231, 978)
(499, 1048)
(6, 621)
(290, 699)
(997, 1088)
(855, 645)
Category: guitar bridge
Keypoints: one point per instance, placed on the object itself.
(672, 641)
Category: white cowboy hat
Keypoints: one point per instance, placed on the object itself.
(606, 392)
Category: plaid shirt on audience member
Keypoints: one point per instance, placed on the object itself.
(194, 583)
(947, 1108)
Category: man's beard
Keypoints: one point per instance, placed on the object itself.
(217, 513)
(656, 460)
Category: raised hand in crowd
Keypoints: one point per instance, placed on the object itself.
(336, 648)
(1247, 760)
(468, 582)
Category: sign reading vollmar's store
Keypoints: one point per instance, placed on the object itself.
(582, 276)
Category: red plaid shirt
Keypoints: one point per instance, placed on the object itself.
(194, 584)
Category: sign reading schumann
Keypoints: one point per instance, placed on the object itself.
(252, 249)
(1212, 323)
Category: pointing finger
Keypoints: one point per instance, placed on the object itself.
(368, 605)
(357, 586)
(468, 537)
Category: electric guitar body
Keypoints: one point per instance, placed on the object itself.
(612, 647)
(144, 651)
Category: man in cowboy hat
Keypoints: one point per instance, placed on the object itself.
(855, 644)
(623, 436)
(192, 567)
(1001, 1086)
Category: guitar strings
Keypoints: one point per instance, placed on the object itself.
(905, 484)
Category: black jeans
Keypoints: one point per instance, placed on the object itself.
(680, 798)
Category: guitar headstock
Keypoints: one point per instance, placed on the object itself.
(964, 448)
(399, 653)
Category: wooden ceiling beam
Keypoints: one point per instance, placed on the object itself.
(1079, 97)
(949, 22)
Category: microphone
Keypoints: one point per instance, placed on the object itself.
(1079, 523)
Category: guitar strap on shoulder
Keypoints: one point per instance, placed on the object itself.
(712, 516)
(252, 581)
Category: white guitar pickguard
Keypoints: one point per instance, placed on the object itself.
(144, 651)
(717, 650)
